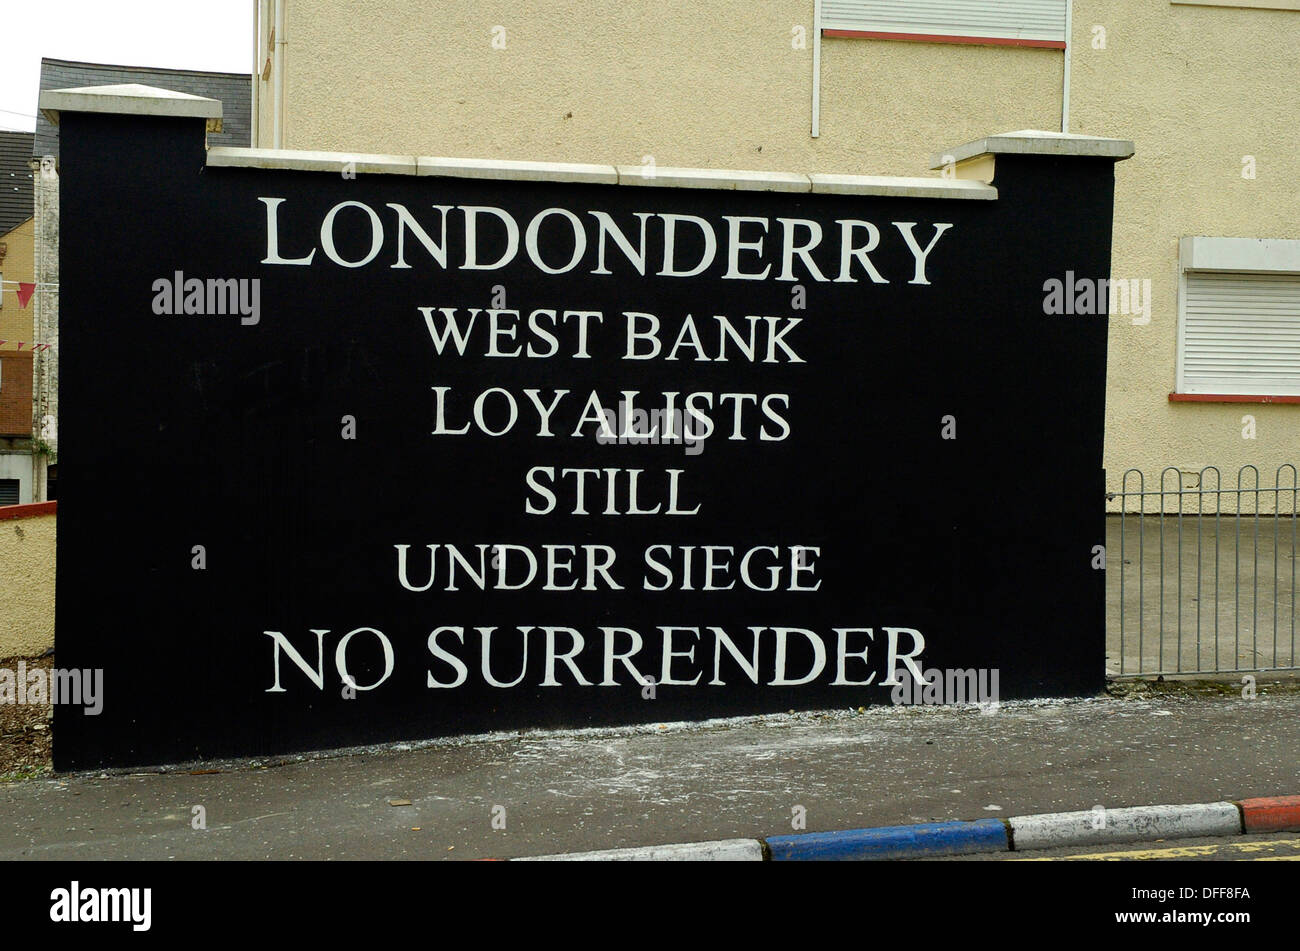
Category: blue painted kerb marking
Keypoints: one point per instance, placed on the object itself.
(892, 842)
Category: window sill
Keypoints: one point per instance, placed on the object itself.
(944, 38)
(1250, 4)
(1229, 398)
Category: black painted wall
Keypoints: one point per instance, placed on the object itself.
(180, 431)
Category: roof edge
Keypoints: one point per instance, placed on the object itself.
(161, 70)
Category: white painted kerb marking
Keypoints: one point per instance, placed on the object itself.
(726, 850)
(1131, 824)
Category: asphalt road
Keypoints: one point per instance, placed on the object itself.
(1265, 847)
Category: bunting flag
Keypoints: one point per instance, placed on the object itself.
(25, 292)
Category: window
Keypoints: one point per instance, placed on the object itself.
(1011, 22)
(1253, 4)
(8, 491)
(1239, 319)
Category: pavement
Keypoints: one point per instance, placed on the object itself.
(1201, 594)
(537, 793)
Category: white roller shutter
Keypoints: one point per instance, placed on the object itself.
(1042, 20)
(1241, 334)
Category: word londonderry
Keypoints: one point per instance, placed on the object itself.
(559, 241)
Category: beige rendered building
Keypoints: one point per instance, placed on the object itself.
(1204, 341)
(21, 464)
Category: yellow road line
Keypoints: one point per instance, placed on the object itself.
(1185, 852)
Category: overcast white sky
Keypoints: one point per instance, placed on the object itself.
(212, 35)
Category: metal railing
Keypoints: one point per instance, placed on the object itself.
(1209, 584)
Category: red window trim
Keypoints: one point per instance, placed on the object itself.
(947, 38)
(1229, 398)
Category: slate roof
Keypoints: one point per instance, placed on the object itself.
(15, 179)
(234, 90)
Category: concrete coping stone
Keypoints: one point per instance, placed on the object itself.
(902, 187)
(132, 99)
(636, 175)
(518, 171)
(28, 510)
(1037, 142)
(307, 161)
(734, 179)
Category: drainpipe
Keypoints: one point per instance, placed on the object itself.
(257, 67)
(278, 72)
(817, 69)
(1065, 86)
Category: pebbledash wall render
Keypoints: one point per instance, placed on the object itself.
(398, 496)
